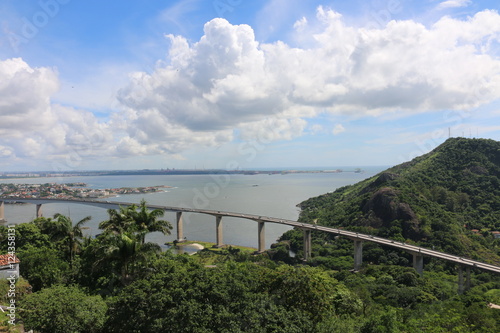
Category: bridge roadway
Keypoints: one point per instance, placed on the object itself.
(417, 251)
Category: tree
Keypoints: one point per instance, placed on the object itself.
(137, 221)
(147, 221)
(43, 266)
(62, 309)
(182, 295)
(74, 234)
(123, 252)
(26, 234)
(312, 291)
(122, 246)
(61, 229)
(119, 221)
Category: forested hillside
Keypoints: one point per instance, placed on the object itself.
(448, 199)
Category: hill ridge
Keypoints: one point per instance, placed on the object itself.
(447, 199)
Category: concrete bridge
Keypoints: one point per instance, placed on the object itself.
(358, 238)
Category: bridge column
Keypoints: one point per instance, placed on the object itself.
(39, 210)
(2, 212)
(463, 285)
(418, 263)
(307, 244)
(460, 280)
(218, 222)
(358, 254)
(180, 230)
(467, 275)
(262, 237)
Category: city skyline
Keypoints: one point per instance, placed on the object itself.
(230, 84)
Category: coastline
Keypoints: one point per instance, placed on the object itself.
(200, 245)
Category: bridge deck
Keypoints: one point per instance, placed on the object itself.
(352, 235)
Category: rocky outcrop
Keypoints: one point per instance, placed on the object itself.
(384, 179)
(384, 207)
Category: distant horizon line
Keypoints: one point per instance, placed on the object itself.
(303, 168)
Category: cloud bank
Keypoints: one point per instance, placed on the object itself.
(32, 128)
(228, 86)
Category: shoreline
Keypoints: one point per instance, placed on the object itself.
(209, 245)
(71, 191)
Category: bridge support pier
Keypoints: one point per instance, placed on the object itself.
(461, 286)
(39, 210)
(2, 212)
(460, 280)
(307, 244)
(218, 222)
(467, 281)
(358, 254)
(418, 263)
(180, 230)
(262, 237)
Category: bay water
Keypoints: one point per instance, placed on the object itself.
(271, 195)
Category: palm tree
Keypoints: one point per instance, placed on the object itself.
(136, 220)
(122, 245)
(148, 221)
(126, 252)
(74, 233)
(61, 229)
(120, 221)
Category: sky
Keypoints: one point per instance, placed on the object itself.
(242, 84)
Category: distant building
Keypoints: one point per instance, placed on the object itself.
(496, 234)
(9, 267)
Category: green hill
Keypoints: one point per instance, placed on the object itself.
(447, 199)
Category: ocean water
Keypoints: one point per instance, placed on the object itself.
(261, 194)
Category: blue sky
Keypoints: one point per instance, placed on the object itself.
(88, 85)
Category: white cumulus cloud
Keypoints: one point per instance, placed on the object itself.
(33, 128)
(227, 84)
(228, 80)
